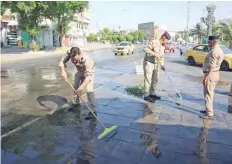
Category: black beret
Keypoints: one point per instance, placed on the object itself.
(167, 35)
(214, 37)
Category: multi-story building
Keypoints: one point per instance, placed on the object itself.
(77, 35)
(146, 28)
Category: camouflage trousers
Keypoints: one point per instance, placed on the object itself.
(79, 78)
(151, 75)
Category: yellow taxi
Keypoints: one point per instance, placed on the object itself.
(124, 48)
(198, 53)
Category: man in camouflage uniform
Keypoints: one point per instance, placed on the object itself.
(211, 67)
(84, 77)
(154, 58)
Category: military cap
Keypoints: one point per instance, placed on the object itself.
(167, 35)
(214, 37)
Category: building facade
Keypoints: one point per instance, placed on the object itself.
(146, 28)
(79, 29)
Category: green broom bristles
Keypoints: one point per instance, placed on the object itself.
(106, 131)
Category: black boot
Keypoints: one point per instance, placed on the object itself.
(148, 98)
(155, 97)
(74, 107)
(203, 111)
(90, 116)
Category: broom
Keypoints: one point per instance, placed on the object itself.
(106, 130)
(180, 97)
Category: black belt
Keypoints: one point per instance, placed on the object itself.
(150, 61)
(212, 71)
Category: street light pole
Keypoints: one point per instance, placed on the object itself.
(187, 31)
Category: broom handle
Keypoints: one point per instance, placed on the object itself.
(86, 105)
(173, 84)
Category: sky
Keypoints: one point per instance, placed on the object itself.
(173, 15)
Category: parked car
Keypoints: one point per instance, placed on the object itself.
(124, 48)
(170, 47)
(198, 53)
(184, 47)
(144, 42)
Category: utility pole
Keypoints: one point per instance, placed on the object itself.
(187, 31)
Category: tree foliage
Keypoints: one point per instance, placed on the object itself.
(113, 36)
(92, 37)
(121, 37)
(198, 30)
(130, 38)
(225, 30)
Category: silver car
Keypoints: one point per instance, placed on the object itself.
(185, 47)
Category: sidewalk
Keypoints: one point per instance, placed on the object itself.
(148, 133)
(15, 54)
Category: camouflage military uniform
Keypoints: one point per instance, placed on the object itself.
(151, 65)
(213, 59)
(85, 68)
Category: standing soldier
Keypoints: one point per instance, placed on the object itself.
(153, 58)
(211, 69)
(83, 78)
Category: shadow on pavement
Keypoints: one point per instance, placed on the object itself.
(59, 100)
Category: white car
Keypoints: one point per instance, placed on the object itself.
(185, 47)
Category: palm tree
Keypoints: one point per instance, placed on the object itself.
(215, 29)
(198, 30)
(225, 29)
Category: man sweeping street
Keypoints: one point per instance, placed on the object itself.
(154, 58)
(211, 67)
(84, 77)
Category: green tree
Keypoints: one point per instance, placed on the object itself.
(121, 37)
(142, 35)
(109, 37)
(198, 30)
(138, 35)
(4, 6)
(92, 37)
(115, 38)
(106, 34)
(215, 29)
(130, 38)
(225, 29)
(63, 12)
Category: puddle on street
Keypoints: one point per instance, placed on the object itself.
(151, 145)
